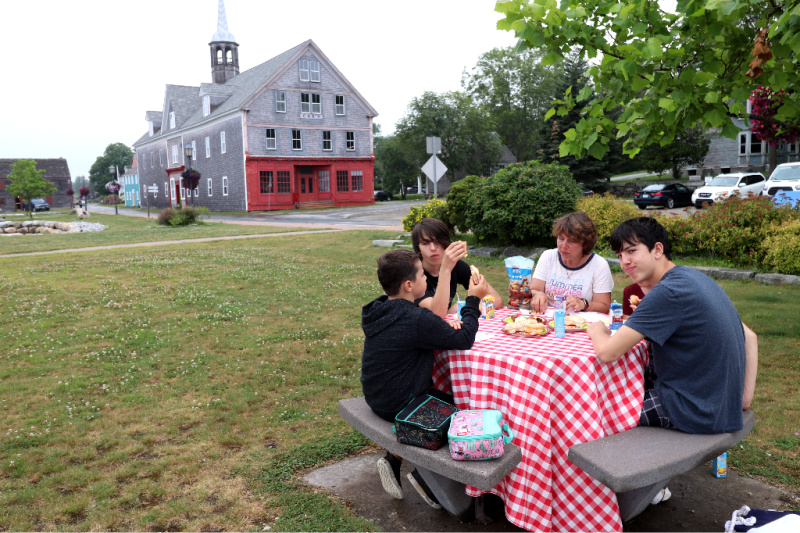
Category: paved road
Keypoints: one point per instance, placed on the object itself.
(381, 215)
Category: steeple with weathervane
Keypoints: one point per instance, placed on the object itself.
(224, 50)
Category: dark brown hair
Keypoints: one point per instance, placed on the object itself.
(642, 230)
(434, 229)
(395, 267)
(579, 227)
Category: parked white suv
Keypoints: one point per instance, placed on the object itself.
(724, 185)
(785, 177)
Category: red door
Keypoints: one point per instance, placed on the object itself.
(306, 184)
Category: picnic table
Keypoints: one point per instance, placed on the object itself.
(554, 393)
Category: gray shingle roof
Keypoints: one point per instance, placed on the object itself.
(53, 168)
(188, 104)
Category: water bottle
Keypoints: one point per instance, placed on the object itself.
(559, 311)
(616, 316)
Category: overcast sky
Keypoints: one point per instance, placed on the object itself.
(79, 75)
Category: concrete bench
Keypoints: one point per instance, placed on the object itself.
(638, 463)
(445, 476)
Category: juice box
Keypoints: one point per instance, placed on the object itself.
(720, 465)
(487, 307)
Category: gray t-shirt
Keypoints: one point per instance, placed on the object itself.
(698, 351)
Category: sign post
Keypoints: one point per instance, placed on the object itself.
(434, 169)
(152, 189)
(434, 146)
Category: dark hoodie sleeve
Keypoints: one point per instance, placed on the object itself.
(434, 333)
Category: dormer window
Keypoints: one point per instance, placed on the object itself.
(206, 105)
(309, 70)
(172, 119)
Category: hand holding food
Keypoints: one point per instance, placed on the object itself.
(634, 301)
(476, 275)
(457, 250)
(478, 286)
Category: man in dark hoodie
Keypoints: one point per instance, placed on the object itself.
(401, 337)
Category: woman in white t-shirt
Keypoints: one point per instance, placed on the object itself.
(572, 269)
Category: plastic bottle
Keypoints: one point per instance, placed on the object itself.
(616, 315)
(559, 311)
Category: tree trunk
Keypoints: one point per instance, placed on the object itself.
(772, 159)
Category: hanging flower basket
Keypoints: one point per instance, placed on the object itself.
(191, 178)
(113, 187)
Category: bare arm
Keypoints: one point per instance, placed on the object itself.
(610, 348)
(600, 302)
(440, 302)
(538, 297)
(751, 366)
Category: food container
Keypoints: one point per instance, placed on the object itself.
(720, 465)
(487, 307)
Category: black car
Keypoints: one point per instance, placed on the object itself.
(587, 192)
(382, 196)
(666, 195)
(38, 204)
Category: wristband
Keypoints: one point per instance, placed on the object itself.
(585, 304)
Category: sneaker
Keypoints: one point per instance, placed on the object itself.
(662, 496)
(389, 470)
(418, 483)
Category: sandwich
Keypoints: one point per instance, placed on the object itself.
(575, 322)
(476, 275)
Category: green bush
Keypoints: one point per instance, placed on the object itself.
(782, 247)
(461, 194)
(519, 204)
(435, 208)
(607, 212)
(736, 228)
(183, 216)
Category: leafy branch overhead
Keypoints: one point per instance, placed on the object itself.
(666, 72)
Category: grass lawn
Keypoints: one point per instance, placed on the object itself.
(186, 388)
(121, 230)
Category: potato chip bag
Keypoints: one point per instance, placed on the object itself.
(520, 275)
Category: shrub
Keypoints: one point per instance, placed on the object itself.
(112, 199)
(182, 216)
(519, 204)
(737, 227)
(165, 216)
(782, 247)
(435, 208)
(459, 197)
(681, 234)
(607, 212)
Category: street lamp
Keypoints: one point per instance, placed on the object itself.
(190, 179)
(113, 187)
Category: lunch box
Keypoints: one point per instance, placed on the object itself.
(478, 435)
(424, 422)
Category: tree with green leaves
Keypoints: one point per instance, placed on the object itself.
(665, 71)
(392, 167)
(116, 154)
(28, 182)
(469, 142)
(688, 149)
(516, 91)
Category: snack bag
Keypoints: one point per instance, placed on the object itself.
(520, 275)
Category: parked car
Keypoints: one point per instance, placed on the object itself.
(666, 195)
(587, 192)
(39, 204)
(785, 177)
(415, 190)
(725, 185)
(382, 196)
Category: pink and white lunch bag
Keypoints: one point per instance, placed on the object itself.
(478, 435)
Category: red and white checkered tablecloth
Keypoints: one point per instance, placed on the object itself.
(553, 393)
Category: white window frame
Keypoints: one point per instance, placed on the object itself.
(298, 138)
(350, 141)
(303, 70)
(206, 105)
(172, 119)
(208, 147)
(224, 185)
(222, 144)
(175, 154)
(314, 68)
(194, 150)
(327, 142)
(273, 145)
(316, 107)
(305, 102)
(339, 107)
(166, 189)
(210, 188)
(280, 102)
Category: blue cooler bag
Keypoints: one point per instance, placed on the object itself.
(478, 435)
